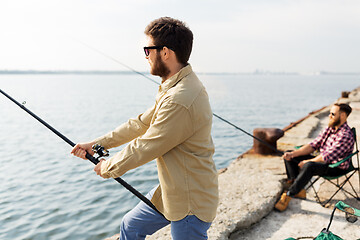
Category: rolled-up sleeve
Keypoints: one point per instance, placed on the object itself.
(316, 143)
(172, 126)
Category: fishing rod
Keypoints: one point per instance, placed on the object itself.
(217, 116)
(99, 150)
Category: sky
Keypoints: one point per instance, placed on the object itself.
(302, 36)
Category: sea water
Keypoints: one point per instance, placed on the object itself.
(45, 193)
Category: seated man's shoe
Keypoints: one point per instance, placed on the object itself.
(283, 203)
(301, 194)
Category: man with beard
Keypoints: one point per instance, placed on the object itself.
(334, 143)
(176, 132)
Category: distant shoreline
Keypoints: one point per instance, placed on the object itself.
(109, 72)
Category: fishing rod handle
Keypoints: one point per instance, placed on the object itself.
(127, 186)
(92, 159)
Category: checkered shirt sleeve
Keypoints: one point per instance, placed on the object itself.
(319, 140)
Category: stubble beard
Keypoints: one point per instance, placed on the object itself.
(334, 123)
(160, 69)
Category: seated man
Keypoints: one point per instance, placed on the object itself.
(334, 143)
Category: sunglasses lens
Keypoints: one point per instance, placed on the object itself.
(146, 52)
(147, 49)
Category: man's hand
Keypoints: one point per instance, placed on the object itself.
(288, 156)
(97, 168)
(302, 163)
(318, 159)
(81, 149)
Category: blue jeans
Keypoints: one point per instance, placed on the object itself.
(143, 220)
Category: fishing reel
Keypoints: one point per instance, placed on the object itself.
(100, 151)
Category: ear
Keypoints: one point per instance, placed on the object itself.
(165, 53)
(343, 115)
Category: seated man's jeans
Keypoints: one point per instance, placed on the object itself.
(304, 175)
(143, 220)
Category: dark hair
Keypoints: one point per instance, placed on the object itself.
(173, 34)
(344, 108)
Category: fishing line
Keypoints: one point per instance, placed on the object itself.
(260, 140)
(88, 156)
(117, 61)
(147, 77)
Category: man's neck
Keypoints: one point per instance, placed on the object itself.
(337, 127)
(173, 70)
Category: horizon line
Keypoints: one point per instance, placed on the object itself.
(104, 72)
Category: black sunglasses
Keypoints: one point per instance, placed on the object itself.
(147, 52)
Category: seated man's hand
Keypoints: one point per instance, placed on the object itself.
(288, 156)
(302, 163)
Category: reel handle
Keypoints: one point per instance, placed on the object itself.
(100, 151)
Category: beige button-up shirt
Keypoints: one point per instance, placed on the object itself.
(176, 132)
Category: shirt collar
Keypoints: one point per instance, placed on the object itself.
(173, 80)
(332, 130)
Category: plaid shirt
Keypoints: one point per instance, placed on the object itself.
(334, 145)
